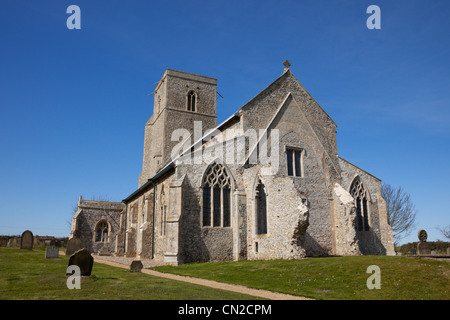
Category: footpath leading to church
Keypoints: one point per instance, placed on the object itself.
(125, 263)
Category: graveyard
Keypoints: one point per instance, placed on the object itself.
(29, 275)
(34, 274)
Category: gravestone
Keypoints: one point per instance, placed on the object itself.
(14, 242)
(51, 252)
(27, 240)
(422, 247)
(3, 241)
(136, 266)
(104, 251)
(73, 245)
(83, 259)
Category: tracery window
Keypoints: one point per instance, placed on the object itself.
(216, 197)
(360, 195)
(101, 232)
(191, 101)
(261, 209)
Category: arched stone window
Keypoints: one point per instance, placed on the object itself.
(216, 197)
(261, 208)
(191, 101)
(101, 231)
(359, 193)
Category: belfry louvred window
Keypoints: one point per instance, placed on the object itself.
(191, 101)
(216, 197)
(359, 193)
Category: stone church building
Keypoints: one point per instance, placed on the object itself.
(213, 195)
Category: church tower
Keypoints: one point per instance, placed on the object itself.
(180, 99)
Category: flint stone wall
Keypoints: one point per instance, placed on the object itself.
(90, 213)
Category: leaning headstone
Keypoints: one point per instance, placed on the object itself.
(136, 266)
(51, 252)
(73, 245)
(27, 240)
(83, 259)
(422, 247)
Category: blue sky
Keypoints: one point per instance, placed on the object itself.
(74, 102)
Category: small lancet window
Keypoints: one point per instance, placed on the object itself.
(261, 209)
(191, 101)
(294, 159)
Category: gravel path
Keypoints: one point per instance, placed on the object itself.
(123, 262)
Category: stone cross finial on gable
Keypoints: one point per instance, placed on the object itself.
(286, 65)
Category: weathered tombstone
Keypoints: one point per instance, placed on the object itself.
(36, 243)
(104, 251)
(51, 252)
(73, 245)
(433, 252)
(422, 247)
(27, 240)
(83, 259)
(136, 266)
(3, 241)
(13, 242)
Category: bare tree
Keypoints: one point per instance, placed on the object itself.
(401, 211)
(445, 231)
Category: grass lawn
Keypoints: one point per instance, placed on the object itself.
(27, 275)
(332, 277)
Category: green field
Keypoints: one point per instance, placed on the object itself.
(27, 275)
(403, 278)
